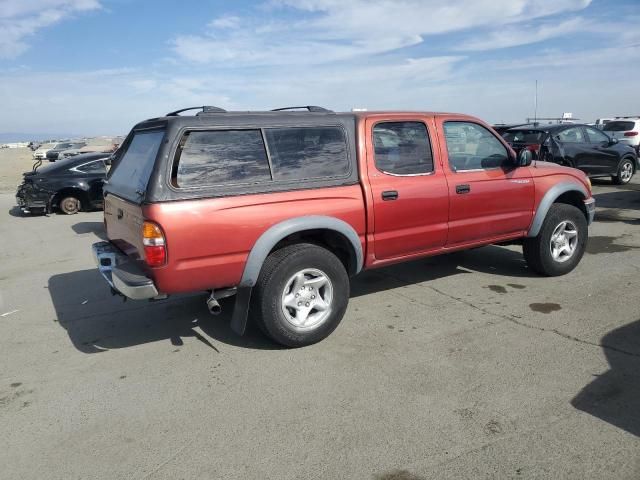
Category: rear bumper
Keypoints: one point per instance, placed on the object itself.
(590, 205)
(123, 275)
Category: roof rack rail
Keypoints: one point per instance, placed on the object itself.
(310, 108)
(205, 109)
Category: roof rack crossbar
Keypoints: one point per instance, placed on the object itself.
(310, 108)
(205, 109)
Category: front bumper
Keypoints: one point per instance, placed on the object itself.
(590, 205)
(122, 274)
(28, 197)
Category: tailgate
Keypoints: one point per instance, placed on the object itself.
(123, 222)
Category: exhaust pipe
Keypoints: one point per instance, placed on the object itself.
(213, 305)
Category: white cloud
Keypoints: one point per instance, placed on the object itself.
(524, 34)
(112, 101)
(333, 30)
(342, 54)
(225, 21)
(20, 19)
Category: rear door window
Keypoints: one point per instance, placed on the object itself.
(402, 148)
(130, 172)
(97, 166)
(303, 153)
(218, 157)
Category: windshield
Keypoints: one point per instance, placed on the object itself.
(130, 173)
(524, 136)
(619, 126)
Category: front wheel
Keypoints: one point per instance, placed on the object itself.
(561, 242)
(625, 172)
(69, 205)
(301, 295)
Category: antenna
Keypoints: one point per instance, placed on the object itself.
(535, 111)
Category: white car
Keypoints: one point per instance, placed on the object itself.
(625, 130)
(41, 152)
(601, 122)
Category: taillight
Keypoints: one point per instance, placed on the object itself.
(155, 250)
(630, 134)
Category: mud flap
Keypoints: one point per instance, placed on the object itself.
(241, 310)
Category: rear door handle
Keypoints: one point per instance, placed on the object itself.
(460, 189)
(390, 195)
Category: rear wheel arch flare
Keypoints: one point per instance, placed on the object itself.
(325, 229)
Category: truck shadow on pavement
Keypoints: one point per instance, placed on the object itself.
(97, 228)
(614, 396)
(491, 259)
(97, 321)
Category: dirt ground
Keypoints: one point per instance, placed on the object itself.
(13, 163)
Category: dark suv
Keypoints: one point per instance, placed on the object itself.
(580, 146)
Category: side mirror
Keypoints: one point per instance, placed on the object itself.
(525, 157)
(613, 141)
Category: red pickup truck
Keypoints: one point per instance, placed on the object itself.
(281, 208)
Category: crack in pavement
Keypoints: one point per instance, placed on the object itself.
(515, 321)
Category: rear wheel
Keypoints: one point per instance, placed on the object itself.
(625, 172)
(301, 295)
(561, 242)
(69, 205)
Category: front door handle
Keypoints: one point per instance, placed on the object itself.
(461, 189)
(390, 195)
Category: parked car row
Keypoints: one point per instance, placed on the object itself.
(594, 151)
(60, 150)
(64, 150)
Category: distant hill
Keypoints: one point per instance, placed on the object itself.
(28, 137)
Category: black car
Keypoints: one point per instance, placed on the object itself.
(69, 185)
(579, 146)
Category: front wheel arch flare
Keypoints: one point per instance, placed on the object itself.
(549, 199)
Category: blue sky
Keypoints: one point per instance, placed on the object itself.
(99, 66)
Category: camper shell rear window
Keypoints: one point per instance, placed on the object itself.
(130, 172)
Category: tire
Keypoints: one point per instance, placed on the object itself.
(625, 172)
(552, 258)
(294, 275)
(69, 205)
